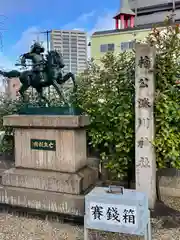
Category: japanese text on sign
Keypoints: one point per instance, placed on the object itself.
(144, 62)
(145, 122)
(143, 163)
(143, 82)
(143, 142)
(144, 103)
(113, 214)
(43, 144)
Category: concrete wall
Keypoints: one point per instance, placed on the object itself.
(154, 11)
(156, 17)
(147, 3)
(169, 187)
(117, 39)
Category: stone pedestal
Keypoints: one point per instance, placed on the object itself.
(51, 170)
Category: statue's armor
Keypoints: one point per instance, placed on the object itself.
(37, 60)
(38, 65)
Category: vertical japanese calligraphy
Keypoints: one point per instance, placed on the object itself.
(145, 122)
(143, 82)
(142, 142)
(143, 162)
(144, 103)
(144, 62)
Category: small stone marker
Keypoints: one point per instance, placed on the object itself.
(145, 130)
(119, 210)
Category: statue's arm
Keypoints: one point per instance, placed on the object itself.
(24, 57)
(27, 55)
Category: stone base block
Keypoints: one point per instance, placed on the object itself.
(46, 121)
(49, 142)
(75, 183)
(43, 200)
(62, 150)
(169, 182)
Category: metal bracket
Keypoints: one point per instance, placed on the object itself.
(115, 189)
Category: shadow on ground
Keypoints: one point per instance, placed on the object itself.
(168, 217)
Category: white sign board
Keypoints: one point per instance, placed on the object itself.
(125, 212)
(113, 214)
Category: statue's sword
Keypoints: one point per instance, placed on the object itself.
(27, 65)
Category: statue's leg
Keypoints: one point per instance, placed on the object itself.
(65, 78)
(59, 92)
(25, 80)
(22, 90)
(59, 77)
(72, 76)
(41, 96)
(62, 79)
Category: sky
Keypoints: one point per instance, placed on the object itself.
(21, 20)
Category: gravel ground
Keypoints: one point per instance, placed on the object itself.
(20, 228)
